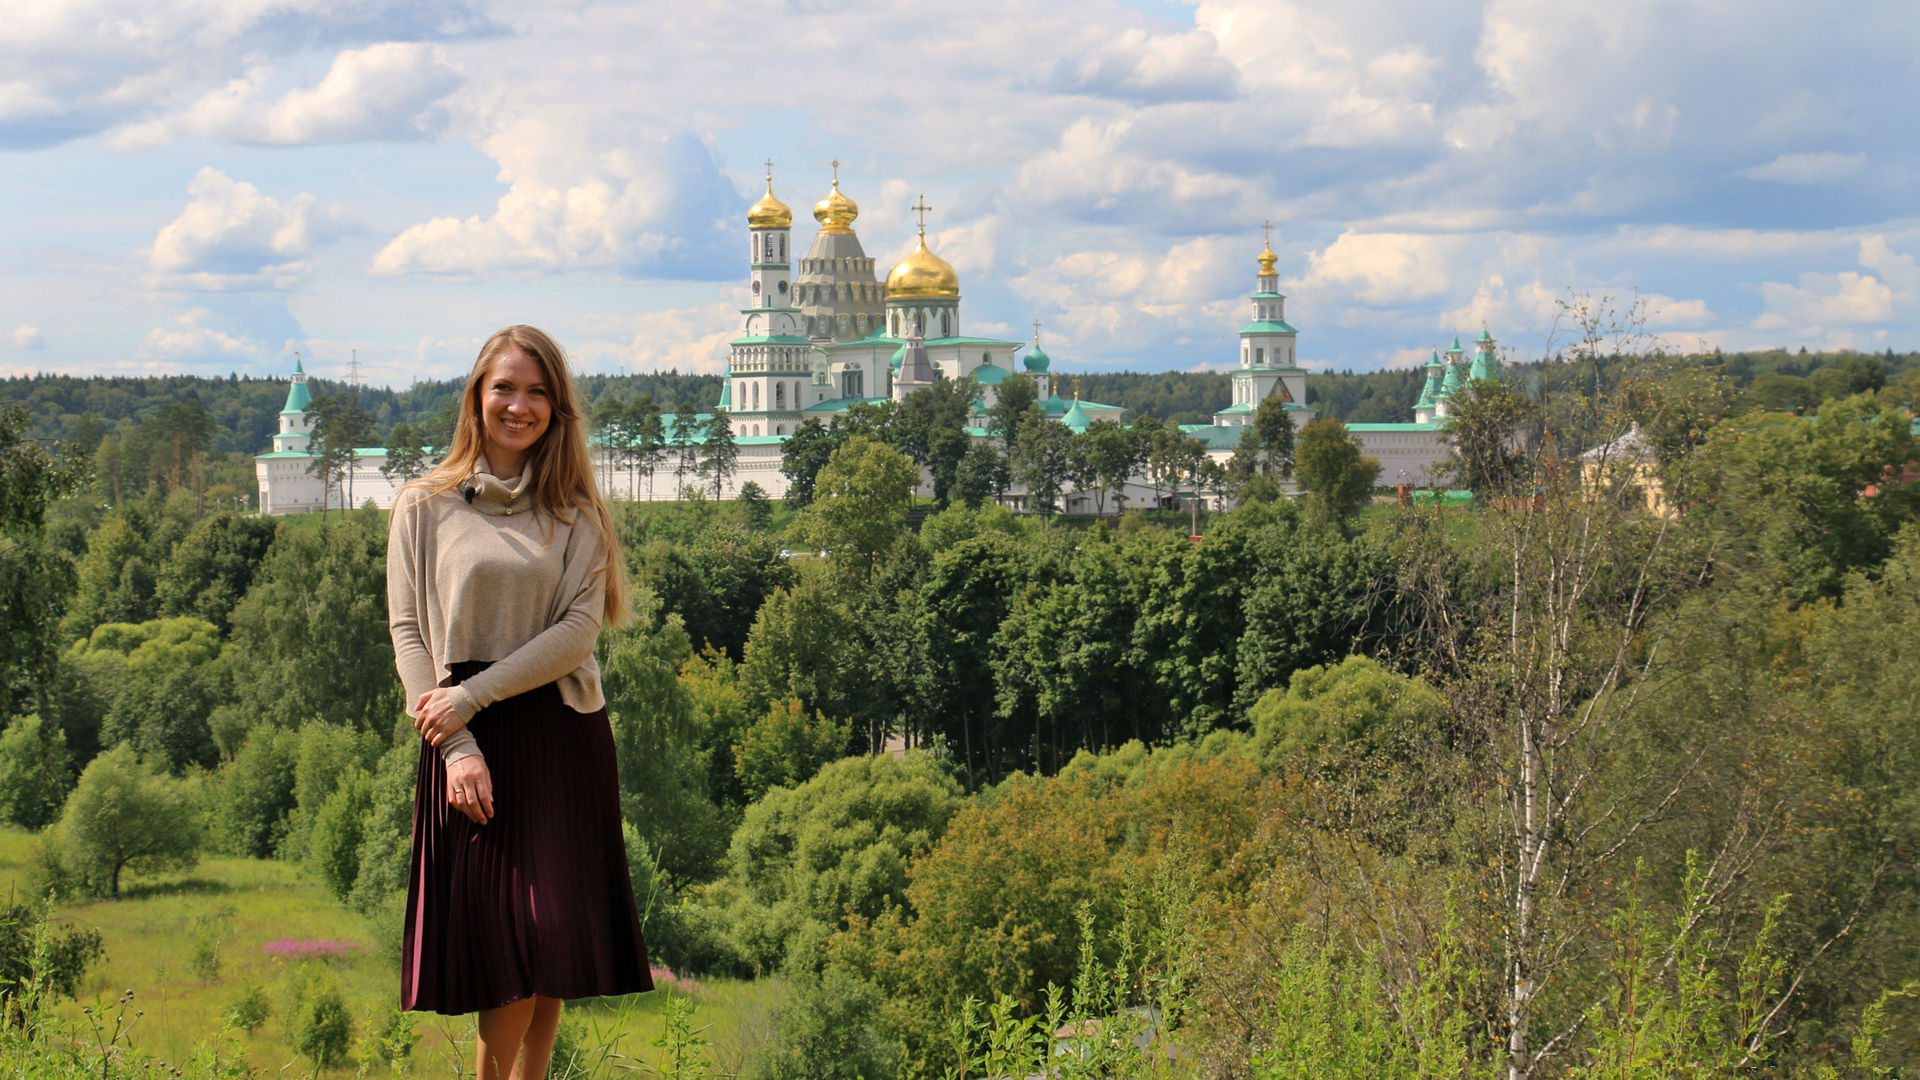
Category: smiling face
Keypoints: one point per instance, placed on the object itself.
(516, 405)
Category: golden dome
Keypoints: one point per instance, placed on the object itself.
(769, 212)
(1267, 259)
(922, 273)
(836, 212)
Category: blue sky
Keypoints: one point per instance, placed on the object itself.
(204, 186)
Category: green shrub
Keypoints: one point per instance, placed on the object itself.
(784, 748)
(391, 1044)
(33, 952)
(249, 1008)
(320, 1026)
(829, 1029)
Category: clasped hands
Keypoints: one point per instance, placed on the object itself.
(469, 784)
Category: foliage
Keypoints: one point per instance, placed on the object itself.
(213, 566)
(250, 1008)
(756, 510)
(333, 847)
(315, 622)
(254, 793)
(35, 772)
(40, 962)
(1337, 477)
(35, 576)
(784, 748)
(1356, 711)
(124, 815)
(803, 455)
(169, 685)
(860, 501)
(807, 857)
(1807, 501)
(1487, 425)
(318, 1022)
(830, 1028)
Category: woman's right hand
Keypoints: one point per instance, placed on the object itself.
(470, 788)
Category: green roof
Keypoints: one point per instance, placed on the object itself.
(1456, 344)
(990, 375)
(1484, 336)
(297, 396)
(1269, 296)
(968, 341)
(1076, 418)
(1432, 425)
(1037, 361)
(1268, 326)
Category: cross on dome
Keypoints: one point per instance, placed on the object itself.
(921, 209)
(769, 170)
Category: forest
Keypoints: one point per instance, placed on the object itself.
(1539, 782)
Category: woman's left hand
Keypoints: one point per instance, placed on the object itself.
(434, 717)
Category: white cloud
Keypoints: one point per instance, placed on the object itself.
(1832, 303)
(233, 236)
(187, 340)
(27, 337)
(1153, 67)
(391, 92)
(1822, 167)
(1384, 268)
(1823, 299)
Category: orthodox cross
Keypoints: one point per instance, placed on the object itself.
(769, 170)
(1267, 226)
(836, 172)
(1036, 333)
(921, 208)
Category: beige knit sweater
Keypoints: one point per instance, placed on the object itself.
(490, 579)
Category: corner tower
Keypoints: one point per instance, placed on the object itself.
(296, 430)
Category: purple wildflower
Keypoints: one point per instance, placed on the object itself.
(311, 948)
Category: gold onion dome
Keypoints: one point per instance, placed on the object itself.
(836, 212)
(922, 273)
(769, 212)
(1267, 259)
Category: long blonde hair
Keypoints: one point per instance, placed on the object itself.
(558, 469)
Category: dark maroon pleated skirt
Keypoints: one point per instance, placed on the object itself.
(537, 900)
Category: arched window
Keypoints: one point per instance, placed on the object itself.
(780, 430)
(946, 325)
(769, 246)
(986, 358)
(756, 395)
(779, 395)
(783, 246)
(841, 321)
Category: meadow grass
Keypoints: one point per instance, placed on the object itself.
(153, 931)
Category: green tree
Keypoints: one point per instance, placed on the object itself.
(784, 748)
(1807, 500)
(800, 647)
(1487, 427)
(35, 576)
(1013, 399)
(803, 455)
(177, 439)
(35, 772)
(1338, 478)
(313, 628)
(756, 510)
(723, 454)
(126, 816)
(339, 830)
(1273, 425)
(930, 427)
(340, 426)
(408, 458)
(170, 685)
(860, 503)
(1042, 460)
(982, 474)
(213, 566)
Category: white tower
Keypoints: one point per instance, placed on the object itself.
(769, 366)
(1268, 367)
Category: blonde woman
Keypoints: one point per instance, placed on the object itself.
(501, 568)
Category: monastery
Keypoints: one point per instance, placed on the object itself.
(823, 333)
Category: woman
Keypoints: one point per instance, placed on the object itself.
(501, 568)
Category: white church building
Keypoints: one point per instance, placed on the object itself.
(816, 342)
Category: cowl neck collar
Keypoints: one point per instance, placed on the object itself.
(495, 497)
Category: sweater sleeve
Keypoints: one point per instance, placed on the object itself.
(559, 650)
(405, 595)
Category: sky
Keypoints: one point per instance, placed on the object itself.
(206, 186)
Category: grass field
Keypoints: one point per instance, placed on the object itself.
(153, 932)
